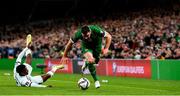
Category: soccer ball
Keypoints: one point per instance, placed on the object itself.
(83, 83)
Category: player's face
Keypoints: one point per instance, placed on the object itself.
(25, 71)
(87, 35)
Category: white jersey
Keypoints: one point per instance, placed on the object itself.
(28, 79)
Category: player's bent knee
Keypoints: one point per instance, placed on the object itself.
(89, 57)
(91, 60)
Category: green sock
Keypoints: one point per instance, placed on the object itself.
(92, 69)
(87, 63)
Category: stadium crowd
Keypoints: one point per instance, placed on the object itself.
(145, 34)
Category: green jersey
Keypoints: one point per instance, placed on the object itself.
(93, 44)
(95, 40)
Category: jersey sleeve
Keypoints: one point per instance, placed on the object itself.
(98, 30)
(75, 37)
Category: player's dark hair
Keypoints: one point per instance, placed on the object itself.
(85, 29)
(20, 68)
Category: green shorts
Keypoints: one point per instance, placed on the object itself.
(96, 53)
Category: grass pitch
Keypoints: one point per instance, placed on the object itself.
(66, 84)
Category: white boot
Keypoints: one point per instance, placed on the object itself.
(97, 84)
(56, 67)
(28, 40)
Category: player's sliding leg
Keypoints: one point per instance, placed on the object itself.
(45, 77)
(28, 41)
(51, 72)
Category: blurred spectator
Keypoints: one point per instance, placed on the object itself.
(146, 34)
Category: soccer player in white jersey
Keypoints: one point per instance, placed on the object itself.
(22, 72)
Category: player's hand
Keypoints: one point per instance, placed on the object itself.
(105, 51)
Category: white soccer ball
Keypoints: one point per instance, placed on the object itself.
(83, 83)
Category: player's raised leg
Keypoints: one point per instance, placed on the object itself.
(90, 62)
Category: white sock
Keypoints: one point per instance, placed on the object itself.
(50, 73)
(53, 69)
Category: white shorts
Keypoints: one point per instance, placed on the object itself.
(37, 79)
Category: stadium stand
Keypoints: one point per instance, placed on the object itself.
(152, 33)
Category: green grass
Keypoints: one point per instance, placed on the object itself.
(66, 84)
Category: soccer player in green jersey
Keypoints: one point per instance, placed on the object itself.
(91, 43)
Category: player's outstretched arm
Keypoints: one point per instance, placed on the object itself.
(108, 43)
(68, 48)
